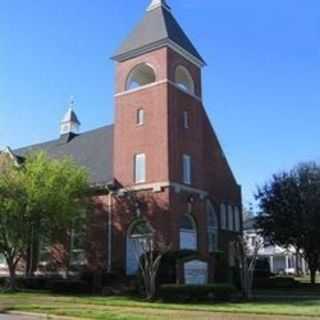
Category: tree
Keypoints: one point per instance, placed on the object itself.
(152, 252)
(290, 212)
(37, 198)
(247, 263)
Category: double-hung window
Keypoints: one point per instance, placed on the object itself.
(186, 166)
(186, 120)
(140, 117)
(140, 168)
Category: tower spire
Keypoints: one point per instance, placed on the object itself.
(158, 3)
(70, 122)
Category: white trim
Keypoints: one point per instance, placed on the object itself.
(188, 56)
(158, 45)
(187, 92)
(157, 187)
(153, 84)
(123, 93)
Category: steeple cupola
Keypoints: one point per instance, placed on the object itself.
(70, 123)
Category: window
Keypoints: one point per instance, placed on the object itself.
(140, 168)
(212, 228)
(140, 117)
(237, 219)
(188, 233)
(141, 75)
(223, 212)
(78, 240)
(230, 218)
(184, 80)
(186, 120)
(186, 159)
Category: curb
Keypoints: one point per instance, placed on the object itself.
(40, 316)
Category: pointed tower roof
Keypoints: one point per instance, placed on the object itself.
(157, 29)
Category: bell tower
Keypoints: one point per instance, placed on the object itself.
(158, 92)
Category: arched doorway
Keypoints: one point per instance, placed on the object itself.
(137, 234)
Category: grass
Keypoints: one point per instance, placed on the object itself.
(123, 308)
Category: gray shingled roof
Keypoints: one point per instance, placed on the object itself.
(157, 27)
(92, 150)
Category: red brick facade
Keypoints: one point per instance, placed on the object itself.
(163, 139)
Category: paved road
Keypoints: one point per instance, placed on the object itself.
(11, 317)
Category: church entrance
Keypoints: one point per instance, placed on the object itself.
(137, 235)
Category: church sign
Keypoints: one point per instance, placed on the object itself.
(196, 272)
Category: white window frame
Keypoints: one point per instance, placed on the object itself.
(186, 169)
(140, 177)
(140, 117)
(223, 216)
(186, 120)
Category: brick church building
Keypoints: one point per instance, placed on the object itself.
(162, 152)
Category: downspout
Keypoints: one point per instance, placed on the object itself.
(109, 268)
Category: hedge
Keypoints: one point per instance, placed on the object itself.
(183, 293)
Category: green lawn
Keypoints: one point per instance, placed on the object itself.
(115, 308)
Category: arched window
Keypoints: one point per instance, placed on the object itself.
(184, 80)
(188, 233)
(137, 235)
(140, 117)
(213, 228)
(140, 76)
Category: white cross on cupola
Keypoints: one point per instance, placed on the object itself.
(158, 3)
(70, 122)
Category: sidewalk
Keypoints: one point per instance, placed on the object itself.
(13, 317)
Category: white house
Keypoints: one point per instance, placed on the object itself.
(281, 260)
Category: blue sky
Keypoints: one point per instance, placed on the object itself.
(261, 85)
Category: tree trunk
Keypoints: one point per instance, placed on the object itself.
(12, 271)
(313, 275)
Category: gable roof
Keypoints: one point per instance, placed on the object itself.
(92, 150)
(157, 29)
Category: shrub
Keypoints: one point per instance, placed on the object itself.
(184, 293)
(275, 283)
(3, 282)
(70, 286)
